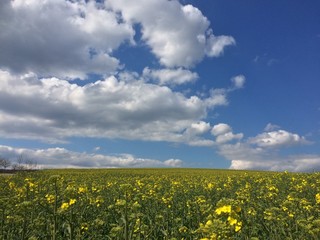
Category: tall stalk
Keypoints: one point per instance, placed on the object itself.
(55, 207)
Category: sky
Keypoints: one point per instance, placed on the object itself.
(156, 83)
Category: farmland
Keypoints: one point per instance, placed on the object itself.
(159, 204)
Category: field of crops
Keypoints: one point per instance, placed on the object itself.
(159, 204)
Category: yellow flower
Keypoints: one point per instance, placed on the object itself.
(82, 190)
(238, 227)
(223, 209)
(232, 221)
(50, 198)
(209, 223)
(120, 202)
(290, 198)
(12, 185)
(183, 229)
(99, 200)
(64, 206)
(84, 227)
(72, 201)
(318, 198)
(210, 186)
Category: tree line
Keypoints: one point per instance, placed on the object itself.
(21, 163)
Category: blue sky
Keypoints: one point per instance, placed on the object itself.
(157, 83)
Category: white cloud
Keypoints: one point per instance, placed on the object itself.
(200, 127)
(66, 39)
(263, 152)
(170, 76)
(194, 132)
(218, 97)
(238, 81)
(241, 151)
(251, 165)
(217, 44)
(47, 43)
(292, 163)
(277, 138)
(97, 148)
(270, 127)
(227, 137)
(223, 133)
(71, 39)
(173, 163)
(52, 109)
(63, 158)
(178, 35)
(220, 128)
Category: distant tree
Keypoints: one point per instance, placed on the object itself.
(4, 162)
(24, 163)
(30, 164)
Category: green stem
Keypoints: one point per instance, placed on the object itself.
(126, 220)
(2, 224)
(55, 210)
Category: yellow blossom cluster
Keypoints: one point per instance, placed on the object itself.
(159, 204)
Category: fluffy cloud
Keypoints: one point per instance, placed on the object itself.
(170, 76)
(238, 81)
(292, 163)
(47, 43)
(63, 158)
(178, 35)
(53, 109)
(277, 139)
(216, 44)
(194, 132)
(262, 152)
(220, 129)
(71, 39)
(66, 39)
(218, 97)
(227, 137)
(223, 133)
(199, 128)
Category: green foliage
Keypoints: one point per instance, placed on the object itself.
(159, 204)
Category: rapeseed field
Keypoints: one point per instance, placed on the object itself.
(159, 204)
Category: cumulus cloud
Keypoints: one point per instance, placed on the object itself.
(71, 39)
(194, 132)
(47, 43)
(170, 76)
(227, 137)
(53, 109)
(262, 152)
(173, 163)
(63, 158)
(216, 44)
(238, 81)
(297, 163)
(277, 138)
(218, 97)
(220, 129)
(66, 39)
(199, 128)
(223, 133)
(179, 36)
